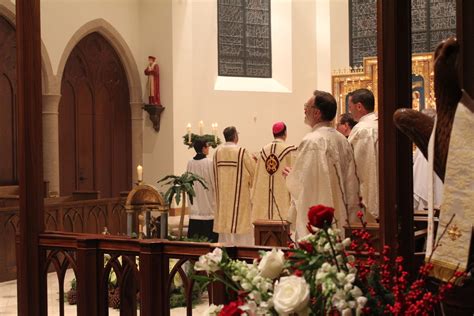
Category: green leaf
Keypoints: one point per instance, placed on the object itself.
(201, 278)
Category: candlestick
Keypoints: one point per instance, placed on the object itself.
(139, 173)
(189, 132)
(201, 127)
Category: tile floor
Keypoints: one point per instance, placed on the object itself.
(8, 300)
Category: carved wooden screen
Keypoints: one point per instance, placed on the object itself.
(244, 38)
(8, 108)
(94, 120)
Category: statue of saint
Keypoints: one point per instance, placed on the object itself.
(153, 85)
(415, 103)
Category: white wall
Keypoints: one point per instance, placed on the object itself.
(60, 19)
(198, 93)
(309, 38)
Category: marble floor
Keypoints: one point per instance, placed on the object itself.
(8, 300)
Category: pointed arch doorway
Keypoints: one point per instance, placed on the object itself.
(8, 108)
(94, 120)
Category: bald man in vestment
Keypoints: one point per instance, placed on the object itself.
(270, 197)
(233, 171)
(365, 144)
(324, 170)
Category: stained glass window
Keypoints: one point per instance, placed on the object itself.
(244, 38)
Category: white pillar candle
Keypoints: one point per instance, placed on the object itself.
(140, 173)
(188, 127)
(201, 127)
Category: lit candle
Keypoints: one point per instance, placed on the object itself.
(201, 127)
(214, 131)
(188, 127)
(140, 173)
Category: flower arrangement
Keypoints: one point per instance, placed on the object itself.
(323, 274)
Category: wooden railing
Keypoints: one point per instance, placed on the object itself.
(143, 270)
(80, 216)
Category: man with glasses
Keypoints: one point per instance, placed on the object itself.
(324, 170)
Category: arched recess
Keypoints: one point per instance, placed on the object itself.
(94, 120)
(8, 107)
(105, 29)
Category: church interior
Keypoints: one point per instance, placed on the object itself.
(104, 104)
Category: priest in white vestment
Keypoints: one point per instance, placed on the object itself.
(201, 216)
(324, 171)
(270, 197)
(233, 171)
(365, 144)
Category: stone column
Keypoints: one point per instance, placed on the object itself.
(51, 140)
(137, 137)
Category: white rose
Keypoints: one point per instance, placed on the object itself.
(347, 312)
(271, 264)
(213, 310)
(291, 295)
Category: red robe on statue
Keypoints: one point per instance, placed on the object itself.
(153, 86)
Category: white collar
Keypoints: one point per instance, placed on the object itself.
(372, 116)
(230, 144)
(321, 124)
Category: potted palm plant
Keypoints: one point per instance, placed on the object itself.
(180, 186)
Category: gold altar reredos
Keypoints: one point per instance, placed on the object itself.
(348, 80)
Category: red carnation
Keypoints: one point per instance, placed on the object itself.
(319, 215)
(232, 309)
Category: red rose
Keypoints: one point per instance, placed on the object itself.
(231, 309)
(306, 246)
(319, 215)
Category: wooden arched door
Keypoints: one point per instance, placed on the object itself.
(94, 120)
(8, 108)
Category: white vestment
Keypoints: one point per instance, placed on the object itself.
(324, 173)
(421, 170)
(270, 197)
(364, 140)
(204, 203)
